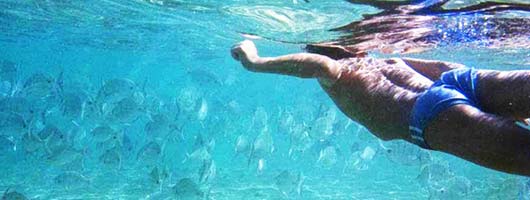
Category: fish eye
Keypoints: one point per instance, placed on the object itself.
(389, 150)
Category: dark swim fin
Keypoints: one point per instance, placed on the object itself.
(426, 7)
(385, 5)
(392, 5)
(488, 6)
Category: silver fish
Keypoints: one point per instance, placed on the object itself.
(434, 174)
(55, 141)
(299, 140)
(201, 154)
(6, 89)
(201, 141)
(262, 147)
(322, 128)
(31, 143)
(454, 188)
(328, 157)
(47, 131)
(114, 90)
(159, 127)
(359, 159)
(260, 119)
(12, 124)
(187, 189)
(19, 106)
(76, 105)
(149, 153)
(203, 76)
(368, 153)
(242, 145)
(71, 179)
(401, 152)
(286, 123)
(208, 171)
(11, 194)
(289, 183)
(203, 110)
(103, 133)
(188, 99)
(112, 157)
(124, 111)
(113, 142)
(127, 145)
(39, 86)
(7, 144)
(66, 157)
(158, 175)
(8, 71)
(261, 166)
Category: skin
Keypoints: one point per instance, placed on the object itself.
(380, 94)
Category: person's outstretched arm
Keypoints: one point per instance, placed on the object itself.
(303, 65)
(431, 69)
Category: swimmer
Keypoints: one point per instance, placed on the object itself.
(474, 114)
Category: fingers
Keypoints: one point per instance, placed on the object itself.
(235, 55)
(246, 42)
(239, 49)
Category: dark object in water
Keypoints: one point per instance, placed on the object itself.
(415, 26)
(436, 6)
(11, 194)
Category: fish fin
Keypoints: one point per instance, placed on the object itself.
(235, 156)
(301, 179)
(12, 140)
(144, 86)
(250, 155)
(59, 84)
(16, 88)
(261, 166)
(186, 157)
(7, 191)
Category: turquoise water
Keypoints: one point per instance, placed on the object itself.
(138, 99)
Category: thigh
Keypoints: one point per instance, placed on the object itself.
(489, 140)
(505, 93)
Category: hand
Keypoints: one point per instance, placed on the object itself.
(244, 51)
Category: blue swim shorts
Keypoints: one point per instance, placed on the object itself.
(457, 86)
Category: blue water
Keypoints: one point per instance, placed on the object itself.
(141, 100)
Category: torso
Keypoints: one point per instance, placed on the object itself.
(378, 93)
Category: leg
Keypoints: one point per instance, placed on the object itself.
(485, 139)
(505, 93)
(304, 65)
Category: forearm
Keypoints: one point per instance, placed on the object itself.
(303, 65)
